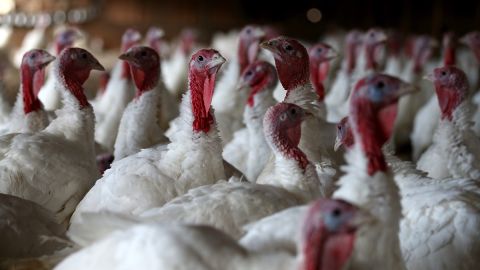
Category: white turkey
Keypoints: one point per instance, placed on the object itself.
(49, 95)
(56, 166)
(292, 63)
(119, 92)
(140, 126)
(227, 101)
(329, 236)
(160, 173)
(228, 206)
(248, 150)
(28, 114)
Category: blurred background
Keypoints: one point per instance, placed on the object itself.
(300, 18)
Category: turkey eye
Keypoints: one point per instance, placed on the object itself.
(288, 47)
(372, 35)
(249, 31)
(33, 55)
(283, 117)
(200, 58)
(319, 50)
(293, 111)
(336, 212)
(443, 73)
(380, 84)
(83, 55)
(143, 53)
(339, 128)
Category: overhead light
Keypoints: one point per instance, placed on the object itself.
(314, 15)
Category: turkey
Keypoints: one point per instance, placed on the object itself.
(292, 63)
(426, 120)
(455, 150)
(154, 40)
(119, 92)
(320, 55)
(472, 40)
(248, 151)
(368, 181)
(228, 206)
(409, 105)
(49, 94)
(368, 62)
(27, 229)
(28, 114)
(175, 68)
(56, 166)
(140, 126)
(227, 101)
(421, 228)
(328, 239)
(158, 174)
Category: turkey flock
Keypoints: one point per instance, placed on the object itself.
(257, 151)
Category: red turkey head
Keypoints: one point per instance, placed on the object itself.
(282, 128)
(372, 40)
(258, 76)
(32, 77)
(422, 51)
(203, 69)
(353, 40)
(344, 134)
(65, 38)
(451, 86)
(329, 232)
(319, 56)
(145, 67)
(249, 38)
(130, 38)
(370, 96)
(74, 68)
(449, 46)
(291, 60)
(154, 38)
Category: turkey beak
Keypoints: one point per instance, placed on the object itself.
(242, 85)
(331, 54)
(338, 144)
(406, 88)
(361, 218)
(383, 37)
(214, 65)
(47, 59)
(429, 77)
(96, 65)
(126, 57)
(269, 45)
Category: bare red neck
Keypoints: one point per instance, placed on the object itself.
(351, 58)
(32, 81)
(449, 56)
(145, 80)
(370, 55)
(318, 73)
(293, 74)
(264, 83)
(74, 79)
(367, 126)
(201, 90)
(448, 99)
(286, 141)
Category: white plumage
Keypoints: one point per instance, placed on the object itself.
(59, 181)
